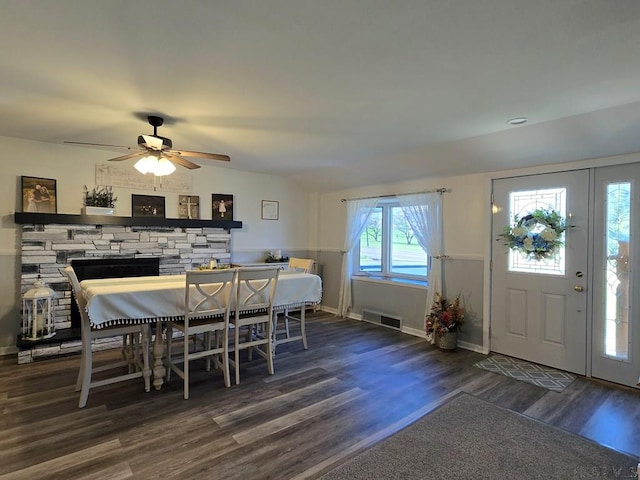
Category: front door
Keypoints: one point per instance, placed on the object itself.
(539, 305)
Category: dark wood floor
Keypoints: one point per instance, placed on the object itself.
(356, 384)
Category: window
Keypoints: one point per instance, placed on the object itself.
(524, 202)
(618, 262)
(388, 245)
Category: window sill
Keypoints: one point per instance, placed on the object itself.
(397, 281)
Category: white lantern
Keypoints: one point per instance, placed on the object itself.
(37, 312)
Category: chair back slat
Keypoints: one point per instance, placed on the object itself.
(256, 288)
(209, 293)
(70, 273)
(85, 323)
(304, 265)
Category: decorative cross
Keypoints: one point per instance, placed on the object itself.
(189, 203)
(188, 206)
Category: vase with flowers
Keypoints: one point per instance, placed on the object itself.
(444, 321)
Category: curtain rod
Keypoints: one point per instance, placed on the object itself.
(438, 190)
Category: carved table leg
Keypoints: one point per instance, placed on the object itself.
(146, 371)
(274, 327)
(158, 354)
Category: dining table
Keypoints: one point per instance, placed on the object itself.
(158, 299)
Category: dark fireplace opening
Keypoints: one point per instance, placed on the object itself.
(111, 268)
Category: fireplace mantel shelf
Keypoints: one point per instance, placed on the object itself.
(70, 219)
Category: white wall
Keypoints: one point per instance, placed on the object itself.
(465, 222)
(465, 208)
(312, 222)
(74, 167)
(467, 238)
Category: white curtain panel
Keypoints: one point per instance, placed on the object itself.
(358, 213)
(423, 212)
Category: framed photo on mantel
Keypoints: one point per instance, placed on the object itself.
(189, 206)
(147, 206)
(39, 195)
(221, 206)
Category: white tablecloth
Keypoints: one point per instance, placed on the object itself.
(148, 299)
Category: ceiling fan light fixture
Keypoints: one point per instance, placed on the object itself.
(146, 164)
(155, 153)
(164, 167)
(155, 164)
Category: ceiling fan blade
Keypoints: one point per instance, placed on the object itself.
(211, 156)
(98, 145)
(127, 156)
(157, 146)
(180, 161)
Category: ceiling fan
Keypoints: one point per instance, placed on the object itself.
(156, 153)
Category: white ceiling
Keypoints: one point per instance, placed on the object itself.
(336, 93)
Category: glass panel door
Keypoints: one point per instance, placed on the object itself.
(539, 302)
(616, 333)
(523, 203)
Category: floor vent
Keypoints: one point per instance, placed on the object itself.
(382, 319)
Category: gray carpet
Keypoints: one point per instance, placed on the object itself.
(472, 439)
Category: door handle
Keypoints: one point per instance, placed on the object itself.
(578, 288)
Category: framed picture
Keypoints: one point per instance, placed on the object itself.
(147, 206)
(189, 206)
(270, 209)
(221, 206)
(39, 195)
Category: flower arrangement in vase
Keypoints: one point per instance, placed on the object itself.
(99, 201)
(444, 321)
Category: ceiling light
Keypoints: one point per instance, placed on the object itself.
(164, 167)
(517, 121)
(146, 164)
(155, 164)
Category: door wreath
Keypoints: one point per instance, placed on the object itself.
(537, 236)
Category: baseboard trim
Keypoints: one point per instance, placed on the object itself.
(422, 334)
(11, 350)
(414, 331)
(324, 308)
(474, 347)
(462, 344)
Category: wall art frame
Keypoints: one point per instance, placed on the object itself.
(39, 195)
(221, 206)
(189, 206)
(147, 206)
(270, 210)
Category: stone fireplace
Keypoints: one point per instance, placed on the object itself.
(110, 268)
(50, 242)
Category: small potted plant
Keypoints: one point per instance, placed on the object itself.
(98, 201)
(444, 322)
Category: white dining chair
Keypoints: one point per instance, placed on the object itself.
(253, 318)
(303, 265)
(209, 297)
(138, 346)
(283, 335)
